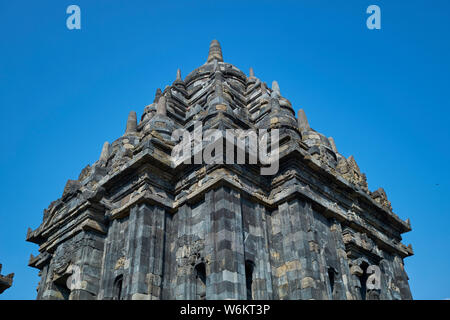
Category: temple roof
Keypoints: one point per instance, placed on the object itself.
(219, 95)
(246, 99)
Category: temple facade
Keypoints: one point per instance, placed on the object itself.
(141, 224)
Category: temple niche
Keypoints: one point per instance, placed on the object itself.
(139, 224)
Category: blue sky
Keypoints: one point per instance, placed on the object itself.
(382, 94)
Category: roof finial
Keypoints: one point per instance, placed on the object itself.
(251, 73)
(161, 106)
(215, 52)
(333, 144)
(158, 95)
(131, 123)
(276, 88)
(179, 74)
(302, 120)
(263, 89)
(105, 152)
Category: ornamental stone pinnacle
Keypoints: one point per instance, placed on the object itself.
(161, 106)
(333, 144)
(105, 152)
(302, 120)
(142, 224)
(131, 123)
(276, 88)
(215, 52)
(251, 73)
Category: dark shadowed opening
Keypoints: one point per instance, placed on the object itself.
(118, 288)
(331, 276)
(249, 266)
(200, 275)
(363, 280)
(61, 286)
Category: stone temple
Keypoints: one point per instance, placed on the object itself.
(137, 224)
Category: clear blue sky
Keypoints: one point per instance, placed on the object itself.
(382, 94)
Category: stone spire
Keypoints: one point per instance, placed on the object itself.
(276, 88)
(178, 83)
(302, 120)
(215, 52)
(161, 106)
(251, 73)
(105, 152)
(263, 88)
(131, 123)
(333, 144)
(158, 94)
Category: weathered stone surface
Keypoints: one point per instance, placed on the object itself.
(71, 187)
(139, 224)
